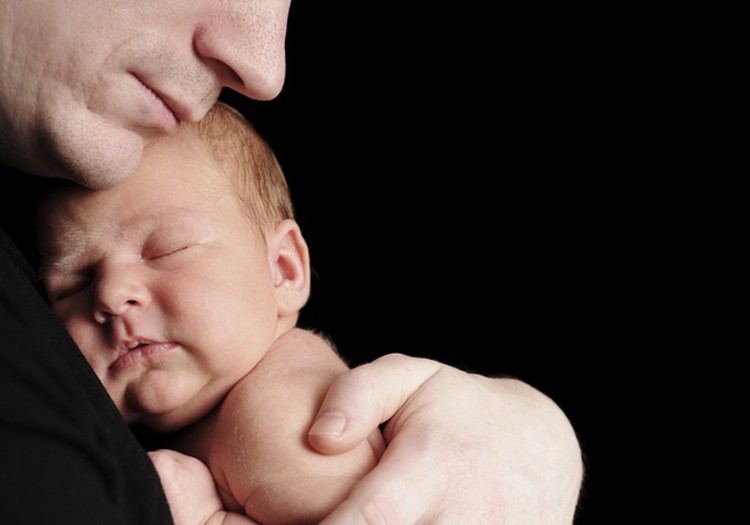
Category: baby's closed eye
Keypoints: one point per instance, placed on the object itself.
(163, 245)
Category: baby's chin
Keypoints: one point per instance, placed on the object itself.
(168, 417)
(157, 423)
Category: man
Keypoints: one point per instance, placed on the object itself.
(85, 86)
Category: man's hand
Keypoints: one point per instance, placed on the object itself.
(462, 448)
(191, 492)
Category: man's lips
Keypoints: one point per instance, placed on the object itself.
(159, 107)
(181, 111)
(135, 351)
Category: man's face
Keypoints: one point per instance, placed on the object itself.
(87, 83)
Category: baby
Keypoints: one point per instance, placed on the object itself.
(177, 285)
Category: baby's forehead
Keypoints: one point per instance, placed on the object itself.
(186, 150)
(140, 203)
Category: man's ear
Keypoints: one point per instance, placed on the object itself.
(290, 267)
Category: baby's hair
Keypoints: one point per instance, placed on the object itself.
(248, 160)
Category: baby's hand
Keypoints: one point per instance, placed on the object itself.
(191, 491)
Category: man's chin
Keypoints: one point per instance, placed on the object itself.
(104, 167)
(95, 157)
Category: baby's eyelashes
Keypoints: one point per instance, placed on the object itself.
(166, 252)
(167, 242)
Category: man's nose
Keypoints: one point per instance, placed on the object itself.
(243, 42)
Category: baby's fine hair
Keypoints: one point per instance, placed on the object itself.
(248, 160)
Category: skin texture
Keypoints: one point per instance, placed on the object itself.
(61, 75)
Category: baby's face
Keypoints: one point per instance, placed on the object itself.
(163, 283)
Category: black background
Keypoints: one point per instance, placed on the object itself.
(466, 180)
(471, 184)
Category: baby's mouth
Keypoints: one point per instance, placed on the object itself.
(129, 345)
(136, 351)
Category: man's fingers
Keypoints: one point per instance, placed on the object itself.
(361, 399)
(395, 492)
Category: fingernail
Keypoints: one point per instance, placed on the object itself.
(329, 424)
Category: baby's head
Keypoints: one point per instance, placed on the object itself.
(176, 282)
(248, 162)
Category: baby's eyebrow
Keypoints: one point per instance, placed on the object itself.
(62, 264)
(70, 246)
(63, 253)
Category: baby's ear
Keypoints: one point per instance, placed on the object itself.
(290, 267)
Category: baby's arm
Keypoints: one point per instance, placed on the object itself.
(260, 453)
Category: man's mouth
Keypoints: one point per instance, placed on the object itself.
(159, 106)
(181, 111)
